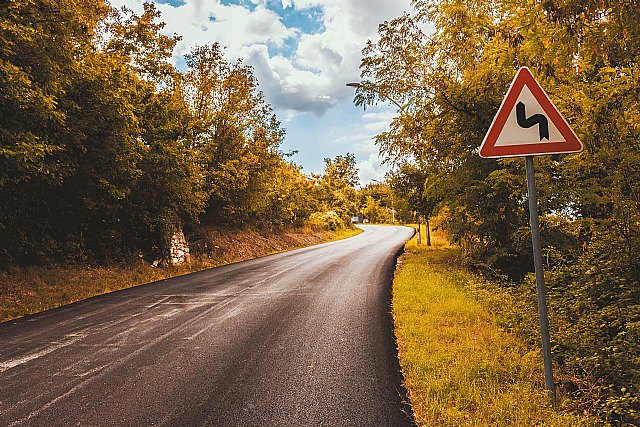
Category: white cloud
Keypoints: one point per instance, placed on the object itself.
(236, 26)
(385, 116)
(371, 169)
(302, 73)
(288, 89)
(311, 78)
(378, 122)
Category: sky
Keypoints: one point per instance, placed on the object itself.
(303, 52)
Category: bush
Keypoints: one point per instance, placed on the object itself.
(330, 221)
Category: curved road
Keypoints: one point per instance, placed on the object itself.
(301, 338)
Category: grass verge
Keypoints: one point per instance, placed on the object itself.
(460, 368)
(31, 290)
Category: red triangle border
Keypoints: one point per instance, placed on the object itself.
(488, 148)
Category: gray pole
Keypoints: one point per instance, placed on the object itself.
(537, 260)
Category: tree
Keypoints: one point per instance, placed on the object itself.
(335, 188)
(391, 208)
(139, 39)
(372, 210)
(450, 85)
(408, 181)
(82, 136)
(236, 136)
(40, 42)
(341, 171)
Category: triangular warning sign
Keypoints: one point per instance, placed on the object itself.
(528, 124)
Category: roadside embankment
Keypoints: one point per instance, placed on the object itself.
(460, 367)
(35, 289)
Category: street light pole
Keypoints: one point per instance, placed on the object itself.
(358, 85)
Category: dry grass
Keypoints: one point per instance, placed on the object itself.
(460, 367)
(35, 289)
(438, 238)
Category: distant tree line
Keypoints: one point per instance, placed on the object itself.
(106, 149)
(586, 54)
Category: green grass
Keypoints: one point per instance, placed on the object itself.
(35, 289)
(460, 368)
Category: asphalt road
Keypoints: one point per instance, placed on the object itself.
(302, 338)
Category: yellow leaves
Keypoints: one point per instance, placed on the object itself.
(632, 119)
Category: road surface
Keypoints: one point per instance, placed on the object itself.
(301, 338)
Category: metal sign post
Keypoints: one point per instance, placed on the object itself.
(542, 297)
(528, 124)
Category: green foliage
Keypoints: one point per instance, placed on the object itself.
(106, 149)
(334, 190)
(380, 204)
(448, 87)
(341, 171)
(408, 181)
(595, 298)
(330, 221)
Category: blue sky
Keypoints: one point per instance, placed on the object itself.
(303, 53)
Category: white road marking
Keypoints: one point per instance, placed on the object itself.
(12, 363)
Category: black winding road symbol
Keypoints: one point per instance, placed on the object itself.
(536, 119)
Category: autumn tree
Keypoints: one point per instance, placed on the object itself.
(95, 128)
(236, 136)
(448, 86)
(335, 190)
(381, 201)
(40, 42)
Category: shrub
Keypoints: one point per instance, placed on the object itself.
(326, 221)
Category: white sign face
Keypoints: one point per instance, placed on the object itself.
(528, 124)
(514, 134)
